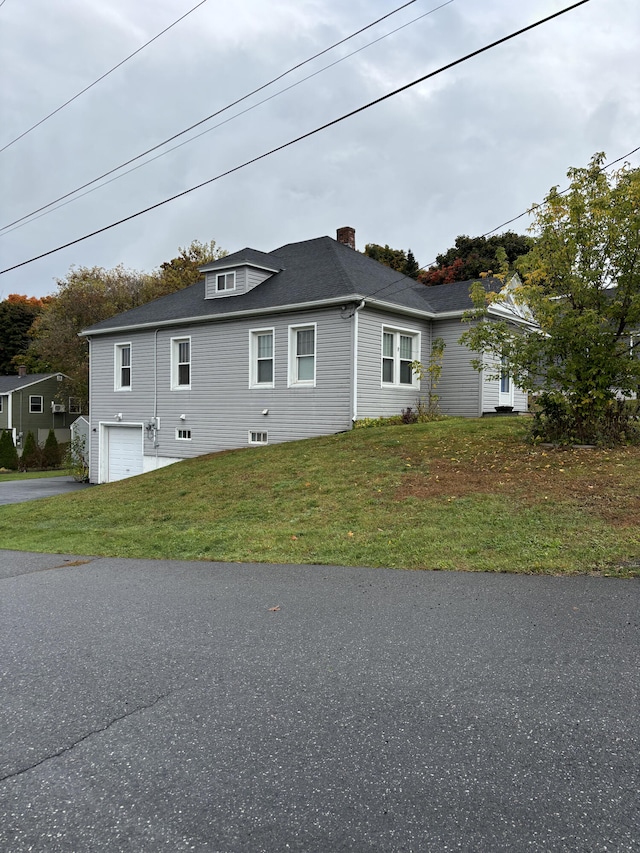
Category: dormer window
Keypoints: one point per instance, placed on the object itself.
(225, 281)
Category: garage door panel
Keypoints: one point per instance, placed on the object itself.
(124, 450)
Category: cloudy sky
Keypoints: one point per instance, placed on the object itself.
(458, 154)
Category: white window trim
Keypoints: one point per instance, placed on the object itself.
(183, 437)
(396, 332)
(225, 289)
(36, 397)
(117, 366)
(1, 403)
(292, 380)
(263, 432)
(174, 362)
(253, 358)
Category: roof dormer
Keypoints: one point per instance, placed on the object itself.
(236, 274)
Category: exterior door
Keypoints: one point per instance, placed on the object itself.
(124, 452)
(505, 392)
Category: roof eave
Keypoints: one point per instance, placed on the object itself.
(231, 315)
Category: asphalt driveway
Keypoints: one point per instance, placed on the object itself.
(152, 706)
(20, 491)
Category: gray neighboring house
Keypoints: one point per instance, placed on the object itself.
(32, 402)
(276, 346)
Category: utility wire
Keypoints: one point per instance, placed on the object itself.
(106, 74)
(566, 190)
(220, 111)
(49, 208)
(426, 267)
(302, 136)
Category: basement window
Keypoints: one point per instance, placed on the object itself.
(183, 434)
(258, 437)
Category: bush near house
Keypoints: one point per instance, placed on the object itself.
(51, 452)
(8, 453)
(31, 453)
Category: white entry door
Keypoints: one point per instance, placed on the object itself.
(124, 452)
(505, 392)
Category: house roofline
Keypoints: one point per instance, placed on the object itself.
(214, 266)
(231, 315)
(35, 382)
(298, 306)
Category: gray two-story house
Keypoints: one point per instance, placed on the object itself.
(271, 347)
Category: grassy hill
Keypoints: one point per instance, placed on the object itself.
(455, 494)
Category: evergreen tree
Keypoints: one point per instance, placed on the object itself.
(8, 452)
(31, 454)
(51, 452)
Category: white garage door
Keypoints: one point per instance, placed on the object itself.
(124, 450)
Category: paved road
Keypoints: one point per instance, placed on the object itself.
(20, 491)
(168, 706)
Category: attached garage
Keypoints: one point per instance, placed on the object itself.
(121, 452)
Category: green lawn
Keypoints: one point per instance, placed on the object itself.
(453, 494)
(5, 476)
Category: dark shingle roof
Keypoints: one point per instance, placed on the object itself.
(309, 271)
(455, 297)
(14, 383)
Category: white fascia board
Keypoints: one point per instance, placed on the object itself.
(230, 315)
(235, 266)
(505, 314)
(400, 309)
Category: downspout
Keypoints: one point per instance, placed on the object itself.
(156, 443)
(354, 415)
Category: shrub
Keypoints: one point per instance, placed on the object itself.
(76, 459)
(51, 451)
(8, 453)
(31, 453)
(557, 420)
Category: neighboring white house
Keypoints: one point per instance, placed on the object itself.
(272, 347)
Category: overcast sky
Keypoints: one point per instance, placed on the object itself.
(458, 154)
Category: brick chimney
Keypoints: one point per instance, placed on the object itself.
(22, 370)
(347, 235)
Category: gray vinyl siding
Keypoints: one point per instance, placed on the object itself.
(220, 408)
(459, 386)
(375, 400)
(246, 279)
(491, 389)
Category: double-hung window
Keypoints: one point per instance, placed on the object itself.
(302, 355)
(262, 373)
(225, 281)
(181, 363)
(123, 367)
(36, 406)
(399, 349)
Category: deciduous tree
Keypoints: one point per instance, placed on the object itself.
(474, 255)
(17, 314)
(399, 260)
(582, 289)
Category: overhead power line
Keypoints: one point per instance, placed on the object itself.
(426, 267)
(304, 135)
(222, 110)
(562, 192)
(102, 77)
